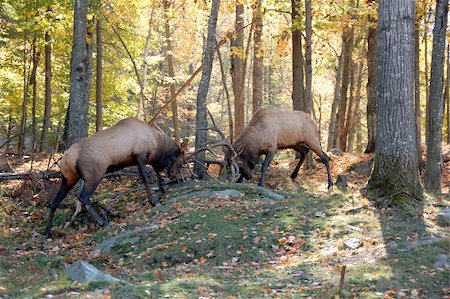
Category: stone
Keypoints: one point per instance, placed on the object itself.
(443, 262)
(364, 168)
(443, 218)
(353, 243)
(336, 151)
(82, 271)
(342, 182)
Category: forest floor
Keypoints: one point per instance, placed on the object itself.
(218, 240)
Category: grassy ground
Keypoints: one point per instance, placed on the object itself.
(204, 243)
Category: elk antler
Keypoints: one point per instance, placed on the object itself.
(210, 144)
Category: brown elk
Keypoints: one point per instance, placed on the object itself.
(270, 130)
(130, 142)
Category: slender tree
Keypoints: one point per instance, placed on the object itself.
(33, 82)
(23, 118)
(238, 69)
(417, 109)
(447, 95)
(395, 175)
(99, 73)
(332, 128)
(48, 90)
(434, 164)
(298, 85)
(76, 123)
(258, 60)
(208, 57)
(371, 81)
(308, 68)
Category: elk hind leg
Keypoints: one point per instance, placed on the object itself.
(84, 198)
(303, 150)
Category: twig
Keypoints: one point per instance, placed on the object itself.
(341, 281)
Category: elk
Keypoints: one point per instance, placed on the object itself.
(270, 130)
(130, 142)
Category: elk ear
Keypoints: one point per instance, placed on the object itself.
(184, 145)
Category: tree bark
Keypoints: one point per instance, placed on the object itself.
(395, 178)
(332, 127)
(427, 90)
(99, 73)
(48, 92)
(169, 57)
(298, 86)
(237, 70)
(308, 69)
(447, 95)
(76, 124)
(347, 42)
(258, 57)
(208, 57)
(355, 114)
(434, 164)
(371, 81)
(417, 109)
(33, 75)
(227, 94)
(23, 118)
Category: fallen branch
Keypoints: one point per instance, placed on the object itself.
(52, 175)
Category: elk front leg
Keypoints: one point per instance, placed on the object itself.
(141, 163)
(267, 160)
(162, 184)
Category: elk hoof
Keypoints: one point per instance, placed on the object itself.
(47, 233)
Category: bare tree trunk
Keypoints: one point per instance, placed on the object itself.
(332, 127)
(347, 42)
(447, 96)
(258, 57)
(427, 90)
(208, 57)
(237, 69)
(99, 73)
(434, 164)
(227, 94)
(23, 119)
(354, 112)
(417, 109)
(308, 69)
(395, 175)
(298, 87)
(10, 125)
(371, 81)
(35, 61)
(76, 124)
(169, 57)
(48, 92)
(144, 64)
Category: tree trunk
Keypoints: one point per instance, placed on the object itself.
(48, 92)
(298, 86)
(227, 94)
(10, 125)
(427, 90)
(347, 42)
(395, 178)
(169, 57)
(355, 114)
(434, 164)
(35, 61)
(332, 128)
(99, 73)
(23, 119)
(208, 57)
(76, 124)
(371, 81)
(447, 96)
(258, 55)
(417, 109)
(308, 69)
(237, 69)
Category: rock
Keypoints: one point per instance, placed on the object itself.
(384, 284)
(364, 168)
(443, 262)
(82, 271)
(342, 182)
(353, 243)
(122, 239)
(336, 151)
(443, 218)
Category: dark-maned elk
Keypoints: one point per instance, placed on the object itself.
(270, 130)
(130, 142)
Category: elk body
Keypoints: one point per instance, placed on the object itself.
(270, 130)
(130, 142)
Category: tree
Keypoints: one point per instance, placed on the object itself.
(308, 68)
(395, 175)
(208, 57)
(238, 69)
(99, 73)
(433, 166)
(76, 123)
(371, 81)
(258, 57)
(298, 85)
(48, 91)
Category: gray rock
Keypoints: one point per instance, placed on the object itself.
(364, 168)
(342, 182)
(443, 218)
(443, 262)
(336, 151)
(82, 271)
(353, 243)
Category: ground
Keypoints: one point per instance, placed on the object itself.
(219, 240)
